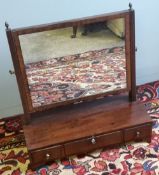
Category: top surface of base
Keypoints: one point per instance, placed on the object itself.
(83, 120)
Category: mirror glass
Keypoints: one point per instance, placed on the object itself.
(75, 62)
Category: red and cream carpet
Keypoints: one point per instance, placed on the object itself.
(84, 74)
(130, 159)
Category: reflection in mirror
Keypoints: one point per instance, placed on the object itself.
(61, 66)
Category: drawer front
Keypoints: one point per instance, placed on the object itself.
(91, 143)
(46, 155)
(138, 133)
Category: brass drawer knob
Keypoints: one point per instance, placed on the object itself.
(138, 134)
(93, 141)
(47, 156)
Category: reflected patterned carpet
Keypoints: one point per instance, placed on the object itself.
(132, 158)
(76, 76)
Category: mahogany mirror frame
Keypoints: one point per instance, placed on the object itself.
(17, 57)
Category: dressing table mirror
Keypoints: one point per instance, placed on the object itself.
(74, 61)
(77, 84)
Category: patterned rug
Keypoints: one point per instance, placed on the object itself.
(130, 159)
(84, 74)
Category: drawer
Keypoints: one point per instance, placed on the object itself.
(47, 154)
(94, 142)
(138, 133)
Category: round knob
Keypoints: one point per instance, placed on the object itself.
(138, 134)
(93, 141)
(11, 72)
(47, 156)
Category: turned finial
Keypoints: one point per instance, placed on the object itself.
(130, 6)
(6, 25)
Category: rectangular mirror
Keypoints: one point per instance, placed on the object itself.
(62, 67)
(73, 61)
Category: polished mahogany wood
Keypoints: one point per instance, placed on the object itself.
(138, 133)
(19, 77)
(13, 38)
(84, 120)
(46, 155)
(132, 92)
(71, 23)
(93, 142)
(87, 126)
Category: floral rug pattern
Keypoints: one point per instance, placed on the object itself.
(75, 76)
(131, 159)
(11, 134)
